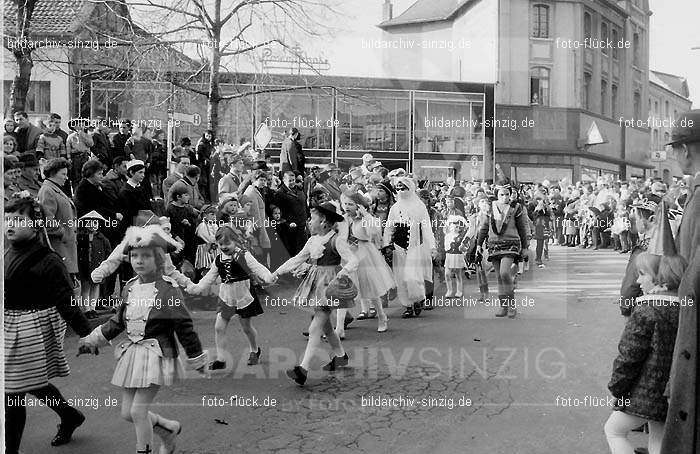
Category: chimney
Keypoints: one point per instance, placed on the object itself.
(387, 11)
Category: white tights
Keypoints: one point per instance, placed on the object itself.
(619, 426)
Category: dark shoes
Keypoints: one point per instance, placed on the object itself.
(66, 429)
(217, 365)
(298, 374)
(408, 313)
(254, 357)
(348, 319)
(337, 361)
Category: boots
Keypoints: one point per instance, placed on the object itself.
(512, 308)
(503, 301)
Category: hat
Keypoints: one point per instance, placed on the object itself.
(397, 173)
(144, 218)
(374, 165)
(386, 185)
(150, 236)
(662, 242)
(649, 203)
(135, 165)
(93, 215)
(28, 160)
(9, 163)
(687, 128)
(330, 210)
(358, 198)
(367, 158)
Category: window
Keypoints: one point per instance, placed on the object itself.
(667, 138)
(637, 105)
(667, 112)
(38, 97)
(613, 103)
(431, 135)
(586, 91)
(540, 21)
(635, 49)
(656, 108)
(655, 140)
(604, 37)
(587, 26)
(675, 114)
(539, 86)
(603, 96)
(615, 39)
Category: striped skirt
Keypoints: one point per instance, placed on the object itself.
(33, 348)
(204, 256)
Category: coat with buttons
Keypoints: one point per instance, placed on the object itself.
(682, 430)
(163, 324)
(642, 367)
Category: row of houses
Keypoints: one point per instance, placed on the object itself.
(464, 84)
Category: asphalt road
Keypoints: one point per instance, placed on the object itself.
(459, 380)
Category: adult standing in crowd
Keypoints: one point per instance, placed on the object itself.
(329, 181)
(255, 193)
(29, 177)
(120, 138)
(60, 213)
(115, 179)
(682, 430)
(78, 148)
(10, 175)
(132, 197)
(189, 182)
(89, 194)
(56, 118)
(231, 182)
(26, 133)
(205, 148)
(291, 156)
(9, 128)
(140, 147)
(182, 163)
(100, 142)
(292, 204)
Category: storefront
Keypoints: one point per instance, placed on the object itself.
(434, 129)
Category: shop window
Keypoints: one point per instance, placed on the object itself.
(38, 97)
(539, 87)
(587, 26)
(540, 21)
(373, 120)
(586, 91)
(448, 123)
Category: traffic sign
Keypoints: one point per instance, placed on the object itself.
(195, 118)
(262, 137)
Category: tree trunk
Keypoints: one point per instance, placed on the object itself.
(213, 102)
(20, 84)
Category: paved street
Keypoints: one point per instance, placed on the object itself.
(462, 381)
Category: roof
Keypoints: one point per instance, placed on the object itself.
(423, 11)
(51, 17)
(671, 82)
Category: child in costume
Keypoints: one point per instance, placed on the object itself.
(38, 294)
(152, 313)
(325, 250)
(455, 244)
(374, 276)
(93, 248)
(235, 265)
(206, 231)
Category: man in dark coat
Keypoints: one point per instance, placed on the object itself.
(292, 204)
(682, 430)
(100, 140)
(120, 138)
(291, 155)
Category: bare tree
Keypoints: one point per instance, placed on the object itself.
(14, 37)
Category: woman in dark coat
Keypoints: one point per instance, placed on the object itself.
(205, 149)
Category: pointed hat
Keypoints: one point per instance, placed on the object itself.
(662, 242)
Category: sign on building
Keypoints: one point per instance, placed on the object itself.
(658, 155)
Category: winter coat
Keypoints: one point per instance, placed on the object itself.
(196, 199)
(60, 223)
(257, 212)
(682, 432)
(92, 250)
(641, 370)
(291, 156)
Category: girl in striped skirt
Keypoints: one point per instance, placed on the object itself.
(34, 326)
(206, 250)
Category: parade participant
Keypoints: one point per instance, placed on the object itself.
(206, 236)
(483, 216)
(455, 244)
(541, 216)
(235, 266)
(152, 313)
(643, 215)
(374, 277)
(409, 241)
(507, 242)
(93, 248)
(641, 370)
(382, 203)
(324, 251)
(682, 431)
(34, 324)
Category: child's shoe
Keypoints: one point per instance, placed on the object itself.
(254, 357)
(217, 365)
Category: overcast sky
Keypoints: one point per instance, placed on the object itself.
(674, 30)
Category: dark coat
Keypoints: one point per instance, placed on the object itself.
(131, 200)
(61, 223)
(101, 149)
(630, 289)
(163, 324)
(291, 156)
(641, 370)
(118, 143)
(112, 184)
(89, 197)
(682, 431)
(292, 204)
